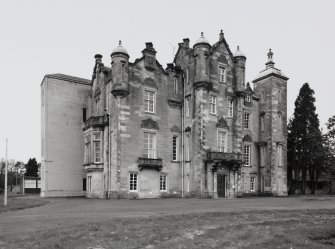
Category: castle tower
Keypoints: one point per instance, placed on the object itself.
(201, 85)
(119, 89)
(271, 86)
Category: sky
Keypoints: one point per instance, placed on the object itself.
(45, 37)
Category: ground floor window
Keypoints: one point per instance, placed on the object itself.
(262, 183)
(252, 183)
(133, 182)
(162, 184)
(89, 183)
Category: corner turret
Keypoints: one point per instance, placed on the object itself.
(120, 76)
(240, 58)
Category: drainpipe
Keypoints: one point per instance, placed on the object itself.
(182, 139)
(118, 99)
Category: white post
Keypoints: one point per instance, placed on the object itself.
(5, 194)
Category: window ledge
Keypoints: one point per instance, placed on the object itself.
(172, 161)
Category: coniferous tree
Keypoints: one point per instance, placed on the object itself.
(305, 143)
(31, 167)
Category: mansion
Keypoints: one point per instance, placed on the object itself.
(195, 128)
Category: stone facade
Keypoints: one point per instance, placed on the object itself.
(195, 128)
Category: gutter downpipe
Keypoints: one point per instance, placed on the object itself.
(182, 138)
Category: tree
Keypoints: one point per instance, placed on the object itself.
(31, 167)
(304, 143)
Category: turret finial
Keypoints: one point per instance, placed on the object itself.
(221, 35)
(270, 62)
(202, 34)
(120, 43)
(238, 48)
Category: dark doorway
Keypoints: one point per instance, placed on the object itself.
(221, 184)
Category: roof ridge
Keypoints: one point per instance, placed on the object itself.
(69, 78)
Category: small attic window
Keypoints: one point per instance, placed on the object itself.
(248, 98)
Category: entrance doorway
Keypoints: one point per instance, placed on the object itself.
(221, 185)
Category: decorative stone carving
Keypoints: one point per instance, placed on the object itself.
(222, 59)
(222, 123)
(175, 129)
(150, 83)
(150, 124)
(247, 138)
(97, 92)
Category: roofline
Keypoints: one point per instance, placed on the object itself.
(68, 78)
(269, 75)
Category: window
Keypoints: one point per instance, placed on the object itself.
(187, 76)
(175, 148)
(279, 96)
(97, 147)
(188, 106)
(262, 152)
(149, 101)
(149, 145)
(252, 183)
(230, 108)
(187, 156)
(246, 155)
(97, 101)
(262, 96)
(262, 122)
(84, 184)
(242, 187)
(279, 155)
(162, 183)
(262, 184)
(84, 114)
(89, 183)
(279, 122)
(212, 104)
(222, 75)
(87, 158)
(133, 182)
(221, 141)
(175, 85)
(248, 98)
(246, 120)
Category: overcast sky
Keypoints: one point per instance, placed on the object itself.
(44, 37)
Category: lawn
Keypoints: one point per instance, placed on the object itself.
(17, 203)
(254, 229)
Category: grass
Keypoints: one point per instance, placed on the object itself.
(17, 203)
(262, 229)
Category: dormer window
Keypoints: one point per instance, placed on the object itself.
(248, 98)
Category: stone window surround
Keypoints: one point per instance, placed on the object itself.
(97, 141)
(133, 182)
(214, 103)
(247, 144)
(230, 107)
(175, 150)
(225, 131)
(163, 178)
(154, 149)
(154, 91)
(246, 120)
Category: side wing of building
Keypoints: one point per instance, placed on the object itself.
(63, 104)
